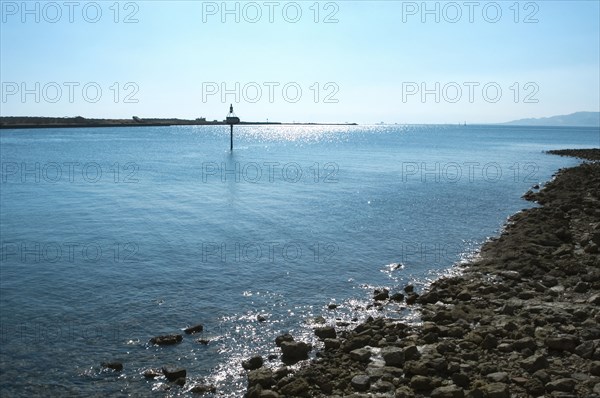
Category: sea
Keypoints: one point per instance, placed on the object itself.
(111, 236)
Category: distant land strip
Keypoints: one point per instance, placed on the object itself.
(29, 122)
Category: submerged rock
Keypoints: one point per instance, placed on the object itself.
(194, 329)
(116, 366)
(169, 339)
(173, 374)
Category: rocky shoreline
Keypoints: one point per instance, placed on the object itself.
(521, 320)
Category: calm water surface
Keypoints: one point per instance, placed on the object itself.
(110, 236)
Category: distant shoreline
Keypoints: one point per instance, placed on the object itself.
(12, 122)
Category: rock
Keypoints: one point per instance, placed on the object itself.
(268, 394)
(169, 339)
(356, 342)
(450, 391)
(581, 287)
(261, 318)
(393, 356)
(253, 363)
(319, 320)
(409, 288)
(461, 379)
(326, 332)
(411, 352)
(360, 382)
(203, 389)
(116, 366)
(489, 341)
(296, 388)
(596, 389)
(534, 387)
(565, 385)
(194, 329)
(152, 373)
(262, 377)
(496, 390)
(498, 377)
(421, 383)
(412, 298)
(295, 351)
(595, 299)
(397, 297)
(360, 354)
(464, 295)
(180, 381)
(564, 342)
(284, 337)
(586, 349)
(534, 363)
(331, 344)
(203, 341)
(173, 374)
(380, 295)
(525, 342)
(332, 306)
(595, 368)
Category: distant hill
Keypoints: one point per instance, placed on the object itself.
(583, 119)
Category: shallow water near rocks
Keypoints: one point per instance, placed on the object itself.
(111, 236)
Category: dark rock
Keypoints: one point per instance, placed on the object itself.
(409, 288)
(152, 373)
(498, 377)
(380, 295)
(116, 366)
(296, 388)
(464, 296)
(450, 391)
(261, 318)
(282, 338)
(203, 341)
(461, 379)
(180, 381)
(421, 383)
(360, 382)
(253, 363)
(525, 342)
(326, 332)
(411, 352)
(565, 342)
(489, 341)
(534, 387)
(360, 355)
(173, 374)
(356, 342)
(581, 287)
(595, 368)
(331, 344)
(194, 329)
(294, 351)
(203, 389)
(565, 385)
(412, 298)
(397, 297)
(496, 390)
(169, 339)
(586, 349)
(534, 363)
(332, 306)
(262, 377)
(393, 356)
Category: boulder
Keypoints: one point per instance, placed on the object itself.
(421, 383)
(360, 355)
(296, 388)
(534, 363)
(497, 390)
(294, 351)
(253, 363)
(262, 377)
(451, 391)
(116, 366)
(326, 332)
(564, 385)
(203, 389)
(565, 342)
(194, 329)
(380, 295)
(284, 337)
(360, 382)
(168, 339)
(393, 356)
(173, 374)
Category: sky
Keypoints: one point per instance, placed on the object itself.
(301, 61)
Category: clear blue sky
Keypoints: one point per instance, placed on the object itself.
(373, 57)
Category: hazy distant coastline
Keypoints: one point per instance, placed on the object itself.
(577, 119)
(26, 122)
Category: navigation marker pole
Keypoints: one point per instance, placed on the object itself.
(231, 119)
